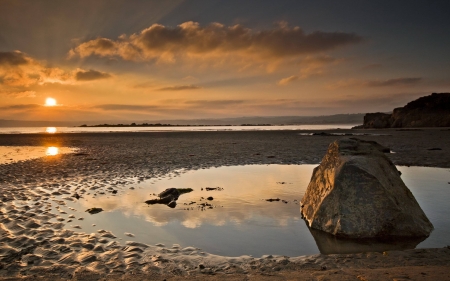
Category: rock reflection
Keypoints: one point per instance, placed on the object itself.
(330, 244)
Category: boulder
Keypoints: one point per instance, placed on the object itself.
(357, 192)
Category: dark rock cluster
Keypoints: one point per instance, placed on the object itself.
(428, 111)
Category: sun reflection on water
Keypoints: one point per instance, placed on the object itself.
(51, 130)
(52, 151)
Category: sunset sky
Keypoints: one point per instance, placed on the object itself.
(149, 60)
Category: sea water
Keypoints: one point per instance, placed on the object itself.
(53, 130)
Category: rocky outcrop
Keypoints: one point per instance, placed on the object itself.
(357, 192)
(428, 111)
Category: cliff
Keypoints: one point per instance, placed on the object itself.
(428, 111)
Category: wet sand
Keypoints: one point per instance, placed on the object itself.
(39, 238)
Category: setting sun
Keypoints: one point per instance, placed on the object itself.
(50, 102)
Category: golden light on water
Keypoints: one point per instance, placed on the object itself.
(50, 102)
(51, 130)
(51, 151)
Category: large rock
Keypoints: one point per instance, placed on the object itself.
(428, 111)
(357, 192)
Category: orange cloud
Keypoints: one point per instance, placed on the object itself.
(180, 88)
(288, 80)
(89, 75)
(19, 72)
(311, 66)
(162, 43)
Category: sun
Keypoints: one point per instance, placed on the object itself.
(50, 102)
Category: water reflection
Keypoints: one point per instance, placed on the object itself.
(241, 220)
(330, 244)
(242, 200)
(11, 154)
(51, 130)
(52, 151)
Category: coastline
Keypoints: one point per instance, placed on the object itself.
(118, 157)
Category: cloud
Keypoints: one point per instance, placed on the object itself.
(311, 66)
(372, 66)
(170, 104)
(189, 77)
(143, 85)
(213, 103)
(25, 94)
(126, 107)
(20, 72)
(21, 107)
(18, 94)
(99, 46)
(13, 58)
(288, 80)
(395, 82)
(89, 75)
(162, 43)
(180, 88)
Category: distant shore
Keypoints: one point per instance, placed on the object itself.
(128, 156)
(169, 125)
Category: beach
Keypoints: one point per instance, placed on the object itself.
(36, 242)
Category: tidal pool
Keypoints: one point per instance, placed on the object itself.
(241, 220)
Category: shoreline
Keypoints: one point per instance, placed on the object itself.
(125, 157)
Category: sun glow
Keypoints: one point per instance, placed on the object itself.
(51, 130)
(50, 102)
(52, 151)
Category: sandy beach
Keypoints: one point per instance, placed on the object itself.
(36, 242)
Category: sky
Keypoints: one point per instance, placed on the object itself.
(136, 60)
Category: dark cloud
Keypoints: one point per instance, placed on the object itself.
(372, 66)
(20, 107)
(89, 75)
(126, 107)
(13, 58)
(189, 38)
(394, 82)
(180, 88)
(214, 103)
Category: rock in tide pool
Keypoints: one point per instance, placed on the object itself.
(94, 210)
(169, 196)
(357, 192)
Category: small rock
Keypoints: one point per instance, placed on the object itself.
(94, 210)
